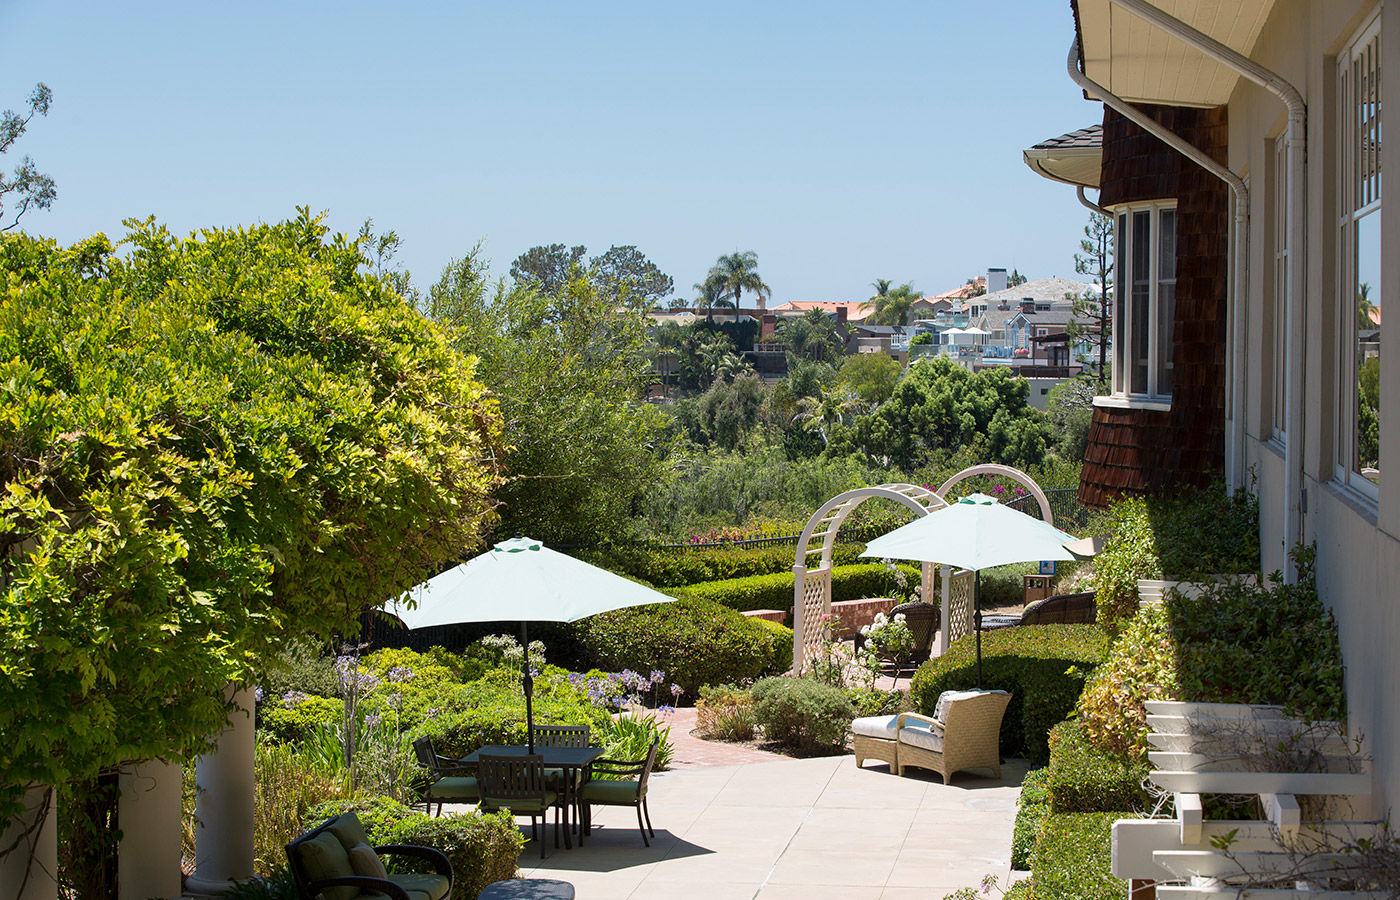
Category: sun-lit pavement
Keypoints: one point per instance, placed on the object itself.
(807, 829)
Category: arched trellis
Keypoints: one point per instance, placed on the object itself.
(811, 589)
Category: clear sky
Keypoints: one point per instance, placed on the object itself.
(842, 142)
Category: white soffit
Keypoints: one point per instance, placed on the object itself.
(1073, 158)
(1140, 62)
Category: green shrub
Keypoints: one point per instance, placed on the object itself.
(680, 566)
(286, 785)
(872, 702)
(1178, 537)
(294, 717)
(782, 645)
(725, 713)
(694, 641)
(1019, 890)
(303, 665)
(1084, 778)
(1041, 666)
(1003, 586)
(775, 591)
(1072, 858)
(1140, 667)
(806, 717)
(1031, 809)
(629, 737)
(482, 847)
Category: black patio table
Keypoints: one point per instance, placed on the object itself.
(566, 758)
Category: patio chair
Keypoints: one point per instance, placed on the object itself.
(963, 733)
(561, 736)
(517, 783)
(451, 781)
(625, 792)
(335, 861)
(922, 619)
(1061, 609)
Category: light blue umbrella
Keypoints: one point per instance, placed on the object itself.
(519, 580)
(976, 533)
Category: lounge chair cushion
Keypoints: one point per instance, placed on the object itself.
(431, 885)
(940, 709)
(324, 857)
(455, 788)
(925, 737)
(611, 791)
(876, 727)
(366, 862)
(347, 827)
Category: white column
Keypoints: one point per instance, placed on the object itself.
(148, 811)
(29, 872)
(223, 837)
(944, 617)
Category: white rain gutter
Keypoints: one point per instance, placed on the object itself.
(1240, 285)
(1089, 204)
(1295, 353)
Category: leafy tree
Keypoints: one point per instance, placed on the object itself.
(939, 405)
(210, 445)
(547, 269)
(893, 307)
(380, 250)
(626, 272)
(32, 188)
(735, 273)
(871, 375)
(568, 370)
(838, 406)
(812, 335)
(732, 409)
(1016, 278)
(1095, 259)
(1069, 412)
(807, 377)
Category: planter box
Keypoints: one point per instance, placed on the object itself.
(1152, 591)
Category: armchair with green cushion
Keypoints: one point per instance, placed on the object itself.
(615, 788)
(451, 780)
(334, 860)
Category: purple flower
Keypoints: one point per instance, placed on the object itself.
(372, 720)
(665, 709)
(677, 690)
(291, 699)
(657, 676)
(399, 673)
(258, 694)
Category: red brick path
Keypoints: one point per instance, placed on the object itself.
(691, 751)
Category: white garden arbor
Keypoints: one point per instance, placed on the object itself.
(811, 589)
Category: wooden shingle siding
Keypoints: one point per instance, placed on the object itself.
(1134, 451)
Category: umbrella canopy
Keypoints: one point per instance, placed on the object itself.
(520, 580)
(977, 532)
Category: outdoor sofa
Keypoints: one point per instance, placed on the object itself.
(963, 733)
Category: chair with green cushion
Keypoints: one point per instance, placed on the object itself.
(452, 780)
(517, 783)
(334, 860)
(621, 790)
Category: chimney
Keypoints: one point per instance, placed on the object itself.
(996, 280)
(841, 314)
(770, 324)
(1027, 304)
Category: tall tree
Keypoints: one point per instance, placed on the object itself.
(811, 335)
(1095, 259)
(738, 272)
(893, 307)
(881, 286)
(547, 268)
(1016, 279)
(32, 188)
(625, 271)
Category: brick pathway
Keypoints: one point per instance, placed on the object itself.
(692, 752)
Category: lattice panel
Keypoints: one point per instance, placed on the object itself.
(816, 602)
(957, 610)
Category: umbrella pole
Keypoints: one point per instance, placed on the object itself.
(976, 624)
(528, 682)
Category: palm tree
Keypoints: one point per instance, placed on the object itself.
(1364, 306)
(709, 298)
(881, 286)
(811, 335)
(738, 272)
(893, 307)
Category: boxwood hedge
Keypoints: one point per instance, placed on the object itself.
(775, 591)
(1042, 666)
(680, 566)
(1072, 858)
(1083, 778)
(1031, 810)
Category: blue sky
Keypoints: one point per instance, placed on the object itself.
(841, 142)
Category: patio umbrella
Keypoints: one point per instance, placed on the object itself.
(520, 580)
(975, 533)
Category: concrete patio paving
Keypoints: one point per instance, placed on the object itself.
(807, 829)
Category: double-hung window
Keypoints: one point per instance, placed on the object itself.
(1144, 301)
(1359, 242)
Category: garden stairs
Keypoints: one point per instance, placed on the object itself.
(1214, 748)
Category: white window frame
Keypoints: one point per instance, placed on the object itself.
(1359, 197)
(1159, 340)
(1278, 430)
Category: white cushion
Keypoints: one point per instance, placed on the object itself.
(876, 727)
(926, 737)
(940, 709)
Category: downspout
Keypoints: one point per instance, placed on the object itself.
(1089, 204)
(1240, 285)
(1295, 358)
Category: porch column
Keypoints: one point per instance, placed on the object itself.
(223, 837)
(944, 618)
(148, 857)
(30, 871)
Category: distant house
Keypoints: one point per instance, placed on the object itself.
(841, 311)
(1015, 315)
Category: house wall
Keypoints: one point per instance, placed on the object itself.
(1358, 554)
(1135, 450)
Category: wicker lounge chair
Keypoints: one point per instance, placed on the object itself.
(1061, 609)
(964, 733)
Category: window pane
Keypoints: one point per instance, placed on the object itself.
(1166, 299)
(1141, 314)
(1368, 345)
(1120, 316)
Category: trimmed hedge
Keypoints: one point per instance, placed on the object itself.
(482, 847)
(1031, 809)
(1140, 667)
(694, 641)
(782, 648)
(1085, 779)
(804, 716)
(775, 591)
(681, 566)
(1042, 666)
(295, 723)
(1072, 858)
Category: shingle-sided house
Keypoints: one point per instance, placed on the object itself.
(1241, 163)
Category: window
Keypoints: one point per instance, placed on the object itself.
(1280, 291)
(1144, 301)
(1361, 290)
